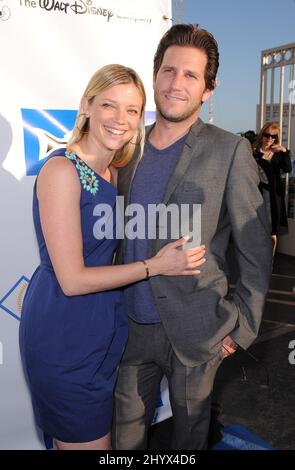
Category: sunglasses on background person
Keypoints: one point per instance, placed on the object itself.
(271, 136)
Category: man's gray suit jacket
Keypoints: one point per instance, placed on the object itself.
(217, 170)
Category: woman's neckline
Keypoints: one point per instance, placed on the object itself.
(71, 151)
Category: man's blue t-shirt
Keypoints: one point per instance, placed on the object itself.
(148, 187)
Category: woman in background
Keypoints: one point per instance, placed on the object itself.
(273, 159)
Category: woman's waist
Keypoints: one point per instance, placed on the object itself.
(45, 270)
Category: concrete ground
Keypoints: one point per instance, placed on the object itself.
(258, 392)
(267, 410)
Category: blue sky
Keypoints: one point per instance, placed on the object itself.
(242, 29)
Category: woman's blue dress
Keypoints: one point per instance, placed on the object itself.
(71, 345)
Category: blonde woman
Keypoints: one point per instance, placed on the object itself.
(74, 326)
(273, 159)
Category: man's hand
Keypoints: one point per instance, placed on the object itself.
(229, 347)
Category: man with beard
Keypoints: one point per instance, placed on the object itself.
(183, 327)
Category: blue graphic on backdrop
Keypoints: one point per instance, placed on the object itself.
(159, 399)
(48, 129)
(44, 130)
(149, 117)
(12, 301)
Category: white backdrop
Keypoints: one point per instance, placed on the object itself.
(49, 50)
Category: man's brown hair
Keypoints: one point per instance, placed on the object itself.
(189, 35)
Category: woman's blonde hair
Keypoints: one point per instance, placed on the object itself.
(104, 79)
(267, 125)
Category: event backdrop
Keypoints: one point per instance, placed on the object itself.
(49, 50)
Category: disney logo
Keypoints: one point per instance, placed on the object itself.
(79, 7)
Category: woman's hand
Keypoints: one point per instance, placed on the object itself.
(278, 148)
(172, 260)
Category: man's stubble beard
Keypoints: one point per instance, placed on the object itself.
(180, 117)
